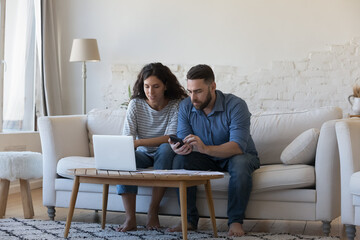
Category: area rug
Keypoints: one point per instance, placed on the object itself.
(14, 229)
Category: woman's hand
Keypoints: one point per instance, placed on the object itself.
(136, 143)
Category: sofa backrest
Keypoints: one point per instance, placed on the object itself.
(104, 122)
(272, 132)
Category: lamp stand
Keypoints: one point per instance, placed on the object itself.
(84, 86)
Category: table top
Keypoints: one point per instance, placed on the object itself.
(147, 174)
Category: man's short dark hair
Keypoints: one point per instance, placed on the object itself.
(201, 71)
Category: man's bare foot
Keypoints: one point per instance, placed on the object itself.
(128, 225)
(178, 228)
(153, 222)
(236, 230)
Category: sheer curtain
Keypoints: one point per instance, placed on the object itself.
(32, 73)
(18, 112)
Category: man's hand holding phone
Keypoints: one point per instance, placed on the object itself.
(179, 146)
(175, 139)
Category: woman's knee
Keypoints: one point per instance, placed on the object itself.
(164, 157)
(165, 150)
(165, 147)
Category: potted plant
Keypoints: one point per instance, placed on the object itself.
(126, 103)
(355, 104)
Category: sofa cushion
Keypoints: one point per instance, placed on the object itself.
(302, 149)
(104, 122)
(272, 132)
(73, 162)
(280, 176)
(266, 178)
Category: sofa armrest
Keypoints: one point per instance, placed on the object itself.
(61, 136)
(348, 136)
(327, 172)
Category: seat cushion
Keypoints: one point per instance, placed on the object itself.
(280, 176)
(266, 178)
(73, 162)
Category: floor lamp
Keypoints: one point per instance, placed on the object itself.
(84, 50)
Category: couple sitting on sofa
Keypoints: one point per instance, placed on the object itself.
(215, 128)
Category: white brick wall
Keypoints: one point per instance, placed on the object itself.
(323, 79)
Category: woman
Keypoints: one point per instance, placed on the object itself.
(151, 117)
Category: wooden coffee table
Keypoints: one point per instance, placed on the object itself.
(181, 179)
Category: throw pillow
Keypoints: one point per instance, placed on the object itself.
(302, 149)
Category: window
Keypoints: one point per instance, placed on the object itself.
(19, 65)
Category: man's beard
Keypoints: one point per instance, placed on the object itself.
(206, 103)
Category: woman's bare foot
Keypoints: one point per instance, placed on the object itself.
(128, 225)
(236, 230)
(153, 222)
(178, 228)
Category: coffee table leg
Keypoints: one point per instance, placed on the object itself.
(183, 209)
(211, 206)
(72, 205)
(104, 206)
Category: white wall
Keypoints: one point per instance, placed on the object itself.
(247, 34)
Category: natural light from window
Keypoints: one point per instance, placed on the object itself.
(18, 112)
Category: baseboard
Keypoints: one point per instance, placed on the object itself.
(34, 184)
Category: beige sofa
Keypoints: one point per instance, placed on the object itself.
(291, 192)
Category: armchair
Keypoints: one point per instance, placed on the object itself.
(348, 137)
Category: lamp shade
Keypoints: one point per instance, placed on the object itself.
(84, 50)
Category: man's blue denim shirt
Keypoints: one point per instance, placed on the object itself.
(228, 121)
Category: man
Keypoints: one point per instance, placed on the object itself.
(215, 128)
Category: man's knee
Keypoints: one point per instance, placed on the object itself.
(178, 162)
(181, 162)
(242, 165)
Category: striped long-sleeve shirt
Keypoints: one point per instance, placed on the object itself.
(144, 122)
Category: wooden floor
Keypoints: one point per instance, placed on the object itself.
(14, 209)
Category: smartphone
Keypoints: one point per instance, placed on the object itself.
(175, 139)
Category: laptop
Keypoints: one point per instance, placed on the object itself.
(114, 152)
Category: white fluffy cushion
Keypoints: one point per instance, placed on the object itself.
(302, 149)
(24, 165)
(104, 122)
